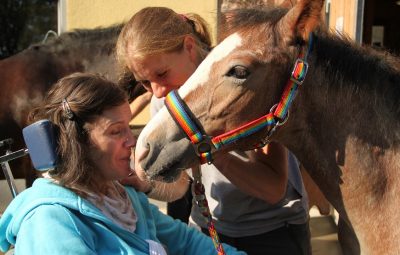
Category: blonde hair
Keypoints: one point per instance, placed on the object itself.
(155, 30)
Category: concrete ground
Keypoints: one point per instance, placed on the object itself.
(323, 228)
(324, 239)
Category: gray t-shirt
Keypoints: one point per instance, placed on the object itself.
(237, 214)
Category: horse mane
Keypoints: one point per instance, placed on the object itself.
(247, 19)
(358, 68)
(82, 39)
(353, 57)
(92, 33)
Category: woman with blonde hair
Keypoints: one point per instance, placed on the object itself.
(158, 35)
(257, 197)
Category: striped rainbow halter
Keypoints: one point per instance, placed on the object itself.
(277, 116)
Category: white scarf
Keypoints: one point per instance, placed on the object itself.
(116, 205)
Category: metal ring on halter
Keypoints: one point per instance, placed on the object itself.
(279, 122)
(204, 146)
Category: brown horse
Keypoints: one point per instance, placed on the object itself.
(343, 124)
(26, 76)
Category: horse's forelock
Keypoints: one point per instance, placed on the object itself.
(248, 19)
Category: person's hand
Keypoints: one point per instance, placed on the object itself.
(140, 185)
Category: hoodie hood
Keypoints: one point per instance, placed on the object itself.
(42, 192)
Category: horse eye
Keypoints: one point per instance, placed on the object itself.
(238, 72)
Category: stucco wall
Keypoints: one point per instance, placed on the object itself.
(93, 13)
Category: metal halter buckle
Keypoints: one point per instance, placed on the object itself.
(279, 122)
(299, 79)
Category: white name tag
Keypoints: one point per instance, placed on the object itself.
(156, 248)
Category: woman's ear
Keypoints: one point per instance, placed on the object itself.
(189, 46)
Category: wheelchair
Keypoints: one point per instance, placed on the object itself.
(40, 140)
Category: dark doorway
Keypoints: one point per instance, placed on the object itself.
(381, 24)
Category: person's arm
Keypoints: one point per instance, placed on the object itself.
(263, 174)
(140, 103)
(181, 239)
(162, 191)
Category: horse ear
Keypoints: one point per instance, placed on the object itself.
(301, 19)
(287, 4)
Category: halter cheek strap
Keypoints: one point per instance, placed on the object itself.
(180, 113)
(296, 79)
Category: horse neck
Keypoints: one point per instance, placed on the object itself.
(344, 127)
(87, 50)
(350, 94)
(350, 88)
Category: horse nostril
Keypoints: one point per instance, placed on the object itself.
(142, 154)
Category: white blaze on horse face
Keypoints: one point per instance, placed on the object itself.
(201, 75)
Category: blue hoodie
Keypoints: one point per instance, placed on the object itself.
(50, 219)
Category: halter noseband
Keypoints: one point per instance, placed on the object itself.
(206, 145)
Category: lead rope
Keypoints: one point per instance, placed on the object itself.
(198, 191)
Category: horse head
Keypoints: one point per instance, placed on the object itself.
(240, 80)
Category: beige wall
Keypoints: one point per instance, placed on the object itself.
(343, 14)
(94, 13)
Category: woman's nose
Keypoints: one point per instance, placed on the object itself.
(160, 90)
(130, 140)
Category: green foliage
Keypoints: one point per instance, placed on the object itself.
(23, 22)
